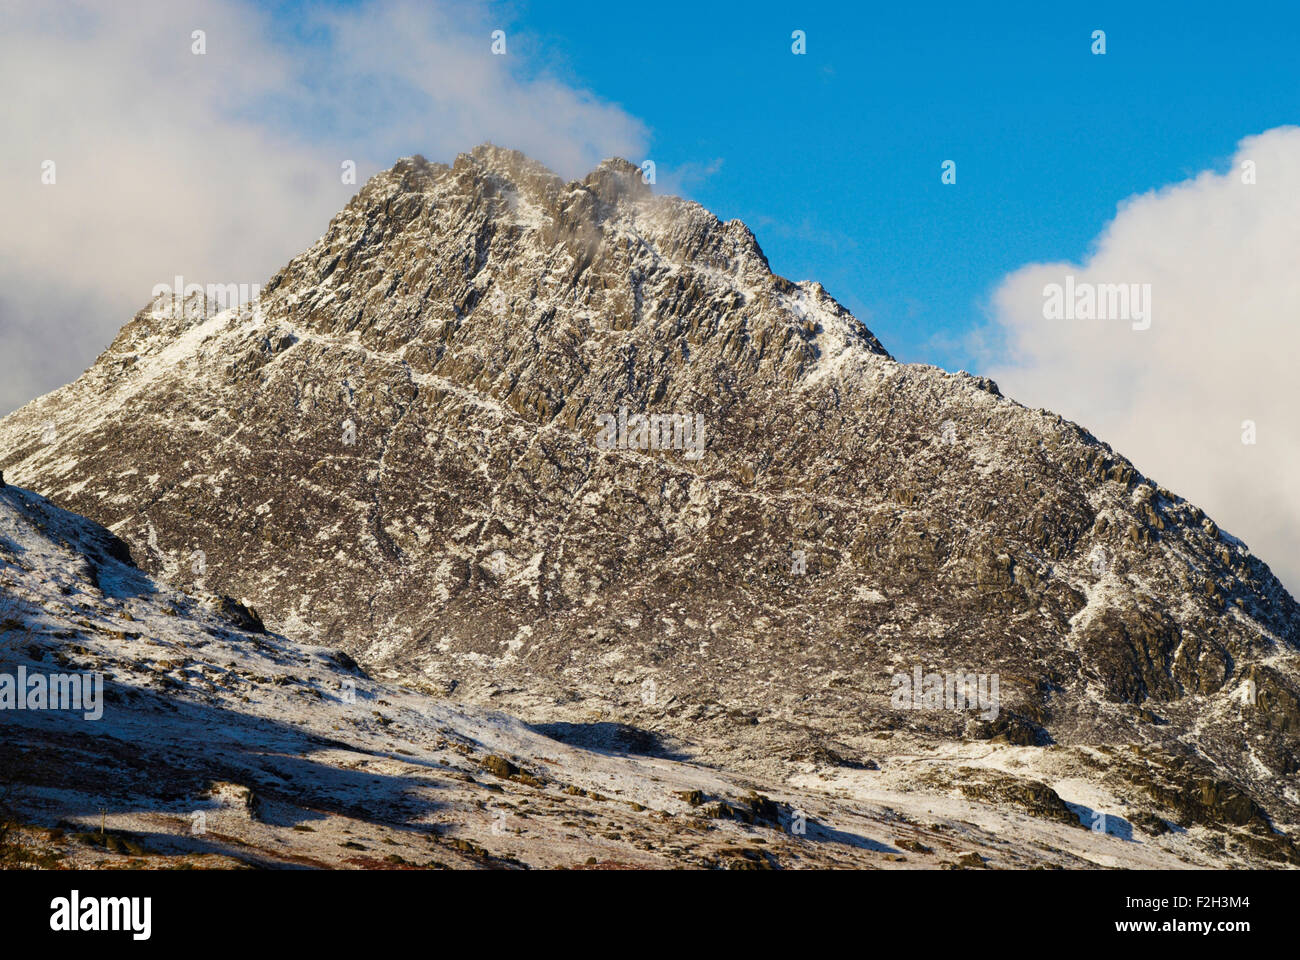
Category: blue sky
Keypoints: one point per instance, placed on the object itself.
(833, 158)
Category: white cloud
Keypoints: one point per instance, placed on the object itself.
(223, 166)
(1223, 261)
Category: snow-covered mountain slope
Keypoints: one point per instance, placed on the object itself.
(217, 744)
(404, 454)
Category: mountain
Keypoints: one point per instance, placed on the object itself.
(426, 447)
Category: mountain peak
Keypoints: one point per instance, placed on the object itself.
(617, 179)
(451, 260)
(611, 180)
(511, 166)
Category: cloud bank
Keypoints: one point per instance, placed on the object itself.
(1222, 256)
(221, 166)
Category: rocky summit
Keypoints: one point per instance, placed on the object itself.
(572, 450)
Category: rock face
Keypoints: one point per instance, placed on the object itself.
(425, 448)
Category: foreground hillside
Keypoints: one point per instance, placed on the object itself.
(220, 745)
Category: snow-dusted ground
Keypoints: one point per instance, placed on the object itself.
(219, 746)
